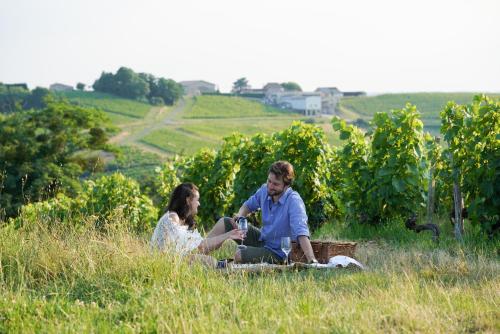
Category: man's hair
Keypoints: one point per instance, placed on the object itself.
(283, 169)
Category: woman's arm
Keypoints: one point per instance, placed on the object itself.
(210, 244)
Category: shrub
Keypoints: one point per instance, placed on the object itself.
(103, 200)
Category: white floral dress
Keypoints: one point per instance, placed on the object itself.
(171, 236)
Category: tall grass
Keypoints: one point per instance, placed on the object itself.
(68, 280)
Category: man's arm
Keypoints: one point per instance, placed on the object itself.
(242, 212)
(306, 247)
(298, 225)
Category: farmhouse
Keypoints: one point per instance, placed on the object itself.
(330, 97)
(308, 103)
(197, 87)
(59, 87)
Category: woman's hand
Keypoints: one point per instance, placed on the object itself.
(235, 234)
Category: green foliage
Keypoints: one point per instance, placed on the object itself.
(125, 83)
(305, 147)
(355, 178)
(240, 84)
(472, 133)
(227, 177)
(16, 98)
(385, 178)
(397, 163)
(57, 210)
(138, 165)
(116, 192)
(291, 86)
(139, 86)
(36, 149)
(80, 86)
(169, 177)
(254, 157)
(110, 199)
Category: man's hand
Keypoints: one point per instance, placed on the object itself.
(234, 220)
(305, 244)
(242, 212)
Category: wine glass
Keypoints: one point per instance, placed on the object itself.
(286, 246)
(243, 225)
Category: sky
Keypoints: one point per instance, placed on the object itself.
(378, 46)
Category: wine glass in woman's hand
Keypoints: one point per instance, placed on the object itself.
(242, 225)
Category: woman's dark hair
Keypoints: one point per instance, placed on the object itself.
(178, 202)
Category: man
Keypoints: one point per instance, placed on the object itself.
(283, 215)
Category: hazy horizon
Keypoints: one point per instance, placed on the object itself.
(383, 47)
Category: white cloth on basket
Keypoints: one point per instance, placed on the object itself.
(171, 236)
(344, 261)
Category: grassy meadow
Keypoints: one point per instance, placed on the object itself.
(77, 279)
(69, 280)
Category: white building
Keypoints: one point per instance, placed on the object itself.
(197, 87)
(308, 103)
(330, 97)
(59, 87)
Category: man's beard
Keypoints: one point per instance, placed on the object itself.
(276, 193)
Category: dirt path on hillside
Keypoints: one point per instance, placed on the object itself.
(155, 119)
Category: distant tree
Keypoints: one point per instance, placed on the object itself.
(105, 83)
(16, 98)
(129, 84)
(139, 86)
(169, 90)
(156, 101)
(12, 98)
(38, 98)
(291, 86)
(125, 83)
(240, 84)
(37, 149)
(152, 82)
(80, 86)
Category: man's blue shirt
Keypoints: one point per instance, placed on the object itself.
(285, 218)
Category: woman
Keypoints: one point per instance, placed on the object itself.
(176, 229)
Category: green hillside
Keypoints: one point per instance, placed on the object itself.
(229, 107)
(429, 105)
(203, 121)
(118, 109)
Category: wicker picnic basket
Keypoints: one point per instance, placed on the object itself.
(323, 250)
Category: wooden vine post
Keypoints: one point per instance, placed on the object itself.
(431, 190)
(457, 204)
